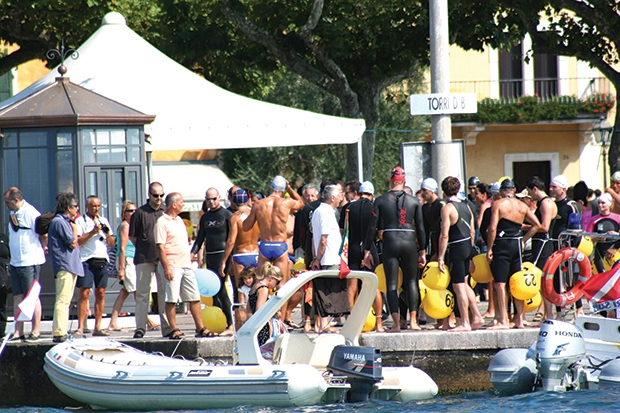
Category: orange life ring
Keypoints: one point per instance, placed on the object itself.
(553, 263)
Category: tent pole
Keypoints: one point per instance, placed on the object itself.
(360, 171)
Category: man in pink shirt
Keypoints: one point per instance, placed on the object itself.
(178, 278)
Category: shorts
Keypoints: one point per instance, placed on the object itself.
(23, 277)
(506, 259)
(273, 250)
(94, 272)
(458, 260)
(247, 259)
(129, 282)
(182, 288)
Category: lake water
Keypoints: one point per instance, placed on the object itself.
(541, 402)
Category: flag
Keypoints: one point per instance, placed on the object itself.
(344, 249)
(26, 307)
(603, 290)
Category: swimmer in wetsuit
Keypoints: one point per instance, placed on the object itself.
(400, 216)
(213, 232)
(456, 239)
(504, 243)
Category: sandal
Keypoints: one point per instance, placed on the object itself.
(176, 334)
(538, 317)
(291, 324)
(204, 332)
(100, 333)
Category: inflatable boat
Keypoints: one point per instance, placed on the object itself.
(329, 368)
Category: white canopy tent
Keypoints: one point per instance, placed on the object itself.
(191, 113)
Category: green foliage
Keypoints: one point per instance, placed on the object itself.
(531, 109)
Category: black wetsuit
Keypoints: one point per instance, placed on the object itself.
(459, 244)
(602, 225)
(432, 214)
(400, 216)
(305, 230)
(565, 208)
(362, 224)
(506, 250)
(542, 245)
(213, 233)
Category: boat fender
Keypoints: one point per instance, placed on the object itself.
(575, 293)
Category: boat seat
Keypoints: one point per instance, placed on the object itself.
(323, 346)
(291, 348)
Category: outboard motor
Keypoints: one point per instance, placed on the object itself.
(559, 348)
(361, 365)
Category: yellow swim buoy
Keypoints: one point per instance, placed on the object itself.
(371, 321)
(380, 273)
(532, 304)
(586, 245)
(438, 303)
(300, 265)
(472, 283)
(423, 288)
(524, 284)
(482, 273)
(435, 279)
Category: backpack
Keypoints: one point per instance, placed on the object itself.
(42, 223)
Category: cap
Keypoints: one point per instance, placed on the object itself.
(615, 176)
(494, 188)
(507, 184)
(367, 188)
(473, 181)
(240, 197)
(430, 184)
(398, 175)
(278, 184)
(605, 198)
(560, 180)
(523, 194)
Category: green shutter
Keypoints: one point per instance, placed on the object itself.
(6, 86)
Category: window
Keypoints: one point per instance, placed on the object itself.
(111, 146)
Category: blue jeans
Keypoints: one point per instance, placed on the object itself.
(23, 277)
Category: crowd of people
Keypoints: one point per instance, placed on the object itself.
(258, 241)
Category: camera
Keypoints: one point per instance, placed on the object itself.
(105, 228)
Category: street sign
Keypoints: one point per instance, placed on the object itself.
(443, 103)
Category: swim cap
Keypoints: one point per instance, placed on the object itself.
(397, 175)
(240, 197)
(367, 188)
(507, 184)
(278, 184)
(616, 176)
(561, 181)
(473, 181)
(494, 188)
(605, 198)
(430, 184)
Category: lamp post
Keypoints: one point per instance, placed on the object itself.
(606, 132)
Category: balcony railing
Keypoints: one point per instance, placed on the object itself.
(544, 88)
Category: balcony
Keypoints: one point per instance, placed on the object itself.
(543, 88)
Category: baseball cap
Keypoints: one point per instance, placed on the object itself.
(397, 175)
(278, 184)
(523, 194)
(430, 184)
(240, 197)
(615, 176)
(560, 180)
(507, 184)
(494, 188)
(367, 188)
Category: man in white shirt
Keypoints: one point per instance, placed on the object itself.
(27, 256)
(94, 238)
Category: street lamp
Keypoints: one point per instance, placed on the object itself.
(605, 133)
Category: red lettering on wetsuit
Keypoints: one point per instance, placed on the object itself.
(403, 217)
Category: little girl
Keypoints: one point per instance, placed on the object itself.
(247, 278)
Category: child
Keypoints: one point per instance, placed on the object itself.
(247, 278)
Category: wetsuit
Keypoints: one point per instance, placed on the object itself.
(459, 244)
(431, 214)
(542, 245)
(305, 230)
(362, 224)
(213, 233)
(602, 225)
(565, 208)
(400, 215)
(506, 250)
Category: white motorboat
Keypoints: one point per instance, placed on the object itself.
(106, 374)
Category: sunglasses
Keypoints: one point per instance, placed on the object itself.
(157, 195)
(130, 210)
(211, 199)
(73, 206)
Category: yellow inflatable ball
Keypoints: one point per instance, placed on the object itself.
(380, 273)
(608, 263)
(531, 268)
(482, 273)
(438, 303)
(423, 288)
(532, 304)
(435, 279)
(371, 321)
(214, 319)
(524, 284)
(472, 283)
(300, 265)
(586, 245)
(208, 301)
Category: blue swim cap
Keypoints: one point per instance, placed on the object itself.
(278, 184)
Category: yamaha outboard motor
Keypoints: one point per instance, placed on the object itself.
(361, 365)
(559, 348)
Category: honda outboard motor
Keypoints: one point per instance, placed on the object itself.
(361, 365)
(559, 348)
